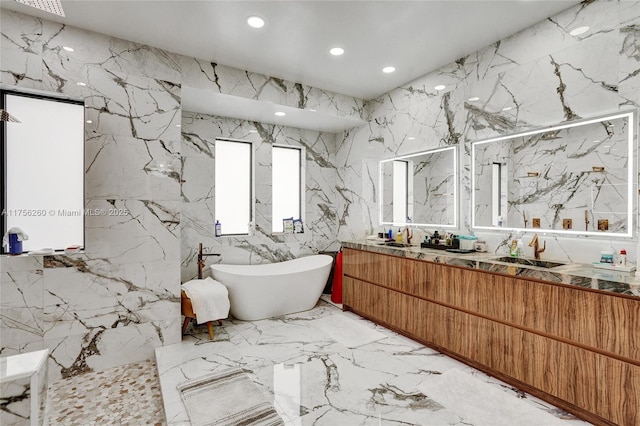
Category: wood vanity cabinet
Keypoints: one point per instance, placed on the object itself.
(576, 348)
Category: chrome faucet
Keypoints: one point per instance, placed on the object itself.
(536, 248)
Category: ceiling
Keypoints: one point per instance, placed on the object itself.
(416, 37)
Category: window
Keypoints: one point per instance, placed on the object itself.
(233, 186)
(286, 170)
(43, 170)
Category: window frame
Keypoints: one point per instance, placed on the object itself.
(4, 159)
(252, 192)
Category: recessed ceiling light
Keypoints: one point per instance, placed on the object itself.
(312, 110)
(281, 114)
(67, 48)
(255, 21)
(388, 70)
(253, 131)
(89, 121)
(336, 51)
(177, 125)
(440, 87)
(81, 83)
(507, 108)
(473, 99)
(411, 138)
(579, 30)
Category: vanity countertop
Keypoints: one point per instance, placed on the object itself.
(577, 274)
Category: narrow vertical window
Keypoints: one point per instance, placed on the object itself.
(233, 186)
(42, 159)
(287, 185)
(400, 191)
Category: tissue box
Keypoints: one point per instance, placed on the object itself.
(468, 244)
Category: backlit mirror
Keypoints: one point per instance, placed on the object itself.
(573, 178)
(420, 189)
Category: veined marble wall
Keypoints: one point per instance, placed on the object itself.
(217, 78)
(434, 188)
(198, 166)
(551, 177)
(119, 300)
(542, 74)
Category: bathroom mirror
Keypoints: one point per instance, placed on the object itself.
(420, 189)
(572, 178)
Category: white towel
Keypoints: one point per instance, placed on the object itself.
(209, 299)
(22, 236)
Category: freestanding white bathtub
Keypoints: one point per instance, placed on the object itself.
(274, 289)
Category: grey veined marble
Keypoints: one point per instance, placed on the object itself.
(313, 375)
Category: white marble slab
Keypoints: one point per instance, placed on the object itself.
(346, 331)
(314, 379)
(542, 73)
(472, 398)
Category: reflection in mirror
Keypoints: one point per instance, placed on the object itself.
(499, 196)
(574, 178)
(420, 189)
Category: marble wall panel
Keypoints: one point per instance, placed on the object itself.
(629, 78)
(434, 189)
(199, 133)
(83, 295)
(543, 74)
(133, 106)
(125, 231)
(117, 301)
(21, 301)
(125, 167)
(100, 348)
(20, 69)
(207, 75)
(118, 55)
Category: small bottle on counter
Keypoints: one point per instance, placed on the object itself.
(623, 257)
(513, 250)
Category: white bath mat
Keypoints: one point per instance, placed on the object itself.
(346, 331)
(483, 404)
(227, 398)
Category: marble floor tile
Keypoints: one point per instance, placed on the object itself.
(312, 378)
